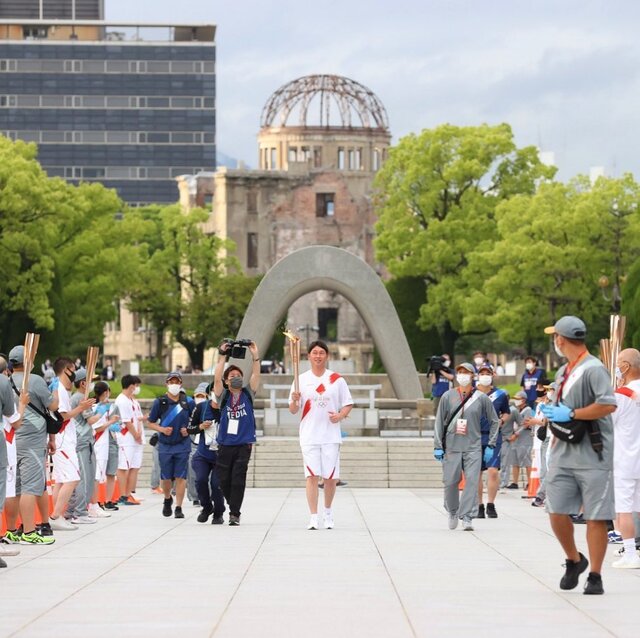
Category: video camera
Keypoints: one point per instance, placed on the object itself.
(237, 348)
(436, 364)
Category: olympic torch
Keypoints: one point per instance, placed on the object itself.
(294, 352)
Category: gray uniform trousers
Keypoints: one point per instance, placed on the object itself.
(81, 497)
(504, 463)
(452, 467)
(192, 493)
(155, 468)
(3, 471)
(542, 490)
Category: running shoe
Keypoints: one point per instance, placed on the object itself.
(512, 486)
(35, 539)
(44, 529)
(537, 502)
(573, 569)
(627, 563)
(12, 537)
(480, 513)
(614, 538)
(203, 517)
(83, 520)
(234, 521)
(178, 512)
(453, 521)
(110, 506)
(491, 510)
(467, 525)
(61, 524)
(7, 548)
(313, 521)
(217, 520)
(328, 521)
(593, 586)
(167, 510)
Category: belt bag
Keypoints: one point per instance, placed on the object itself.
(571, 432)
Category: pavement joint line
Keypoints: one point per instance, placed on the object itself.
(246, 571)
(97, 578)
(386, 569)
(557, 594)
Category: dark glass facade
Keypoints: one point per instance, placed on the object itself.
(132, 115)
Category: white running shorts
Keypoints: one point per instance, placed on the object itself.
(65, 466)
(321, 460)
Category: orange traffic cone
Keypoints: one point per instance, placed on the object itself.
(534, 477)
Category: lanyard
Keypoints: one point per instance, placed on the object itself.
(568, 370)
(463, 400)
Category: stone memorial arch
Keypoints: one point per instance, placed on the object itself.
(329, 268)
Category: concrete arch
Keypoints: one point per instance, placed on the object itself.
(329, 268)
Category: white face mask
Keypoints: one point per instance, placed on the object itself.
(485, 379)
(212, 397)
(550, 395)
(557, 349)
(446, 363)
(199, 400)
(174, 388)
(463, 379)
(529, 366)
(478, 361)
(136, 392)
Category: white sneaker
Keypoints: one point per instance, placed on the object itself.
(7, 548)
(627, 563)
(467, 525)
(313, 522)
(95, 511)
(328, 521)
(453, 521)
(83, 520)
(61, 524)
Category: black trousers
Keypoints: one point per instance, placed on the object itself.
(231, 466)
(207, 484)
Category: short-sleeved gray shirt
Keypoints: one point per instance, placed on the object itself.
(587, 383)
(84, 432)
(524, 440)
(509, 425)
(478, 406)
(33, 432)
(7, 397)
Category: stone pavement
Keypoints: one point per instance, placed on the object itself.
(390, 568)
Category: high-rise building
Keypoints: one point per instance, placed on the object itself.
(129, 105)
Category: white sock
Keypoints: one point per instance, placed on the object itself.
(629, 545)
(328, 511)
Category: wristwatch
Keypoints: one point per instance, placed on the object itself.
(572, 414)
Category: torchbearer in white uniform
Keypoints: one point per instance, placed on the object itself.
(325, 401)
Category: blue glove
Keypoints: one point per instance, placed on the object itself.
(560, 413)
(487, 457)
(115, 427)
(438, 454)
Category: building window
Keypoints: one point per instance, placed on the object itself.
(317, 156)
(34, 33)
(272, 159)
(352, 160)
(252, 202)
(358, 159)
(293, 153)
(375, 160)
(341, 159)
(252, 250)
(328, 324)
(325, 204)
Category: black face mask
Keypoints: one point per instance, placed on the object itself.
(540, 393)
(71, 376)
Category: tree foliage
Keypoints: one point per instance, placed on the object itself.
(436, 201)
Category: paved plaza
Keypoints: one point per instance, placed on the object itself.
(390, 568)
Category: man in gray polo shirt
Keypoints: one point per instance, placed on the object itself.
(577, 476)
(461, 447)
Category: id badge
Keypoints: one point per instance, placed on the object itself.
(461, 427)
(232, 428)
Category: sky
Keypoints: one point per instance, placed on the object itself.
(565, 74)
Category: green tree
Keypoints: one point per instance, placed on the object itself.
(552, 250)
(188, 285)
(408, 294)
(436, 200)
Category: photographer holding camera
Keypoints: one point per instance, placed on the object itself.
(441, 377)
(237, 431)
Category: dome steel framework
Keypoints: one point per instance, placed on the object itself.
(318, 98)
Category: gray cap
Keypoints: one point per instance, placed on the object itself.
(174, 374)
(467, 366)
(16, 355)
(520, 395)
(201, 388)
(568, 326)
(81, 375)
